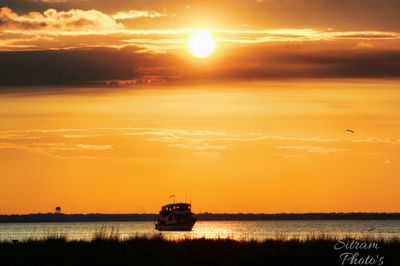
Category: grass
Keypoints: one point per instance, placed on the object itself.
(103, 235)
(108, 248)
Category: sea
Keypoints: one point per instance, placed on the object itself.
(238, 230)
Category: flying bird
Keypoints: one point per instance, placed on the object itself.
(349, 130)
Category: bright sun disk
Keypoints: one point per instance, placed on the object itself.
(201, 44)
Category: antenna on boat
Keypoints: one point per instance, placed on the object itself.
(190, 196)
(173, 196)
(185, 192)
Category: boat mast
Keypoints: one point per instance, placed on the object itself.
(173, 196)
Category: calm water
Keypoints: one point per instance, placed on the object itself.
(209, 229)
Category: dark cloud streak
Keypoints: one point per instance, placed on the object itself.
(102, 65)
(64, 67)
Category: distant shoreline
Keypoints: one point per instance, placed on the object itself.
(98, 217)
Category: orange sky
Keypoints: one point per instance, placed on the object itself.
(104, 109)
(230, 147)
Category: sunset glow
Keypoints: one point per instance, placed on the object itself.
(238, 106)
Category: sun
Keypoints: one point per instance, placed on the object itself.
(201, 43)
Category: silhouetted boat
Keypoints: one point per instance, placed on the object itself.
(176, 217)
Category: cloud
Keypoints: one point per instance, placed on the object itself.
(77, 136)
(261, 137)
(58, 150)
(210, 140)
(199, 146)
(198, 141)
(16, 136)
(65, 143)
(364, 45)
(133, 14)
(70, 66)
(132, 65)
(270, 62)
(79, 28)
(93, 147)
(52, 19)
(172, 132)
(349, 14)
(291, 156)
(122, 142)
(301, 35)
(59, 143)
(387, 140)
(195, 140)
(312, 149)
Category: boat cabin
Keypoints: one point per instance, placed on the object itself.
(176, 207)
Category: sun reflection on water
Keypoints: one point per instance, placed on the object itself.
(237, 230)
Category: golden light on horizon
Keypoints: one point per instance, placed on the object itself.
(201, 44)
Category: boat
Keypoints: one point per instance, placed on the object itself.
(176, 217)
